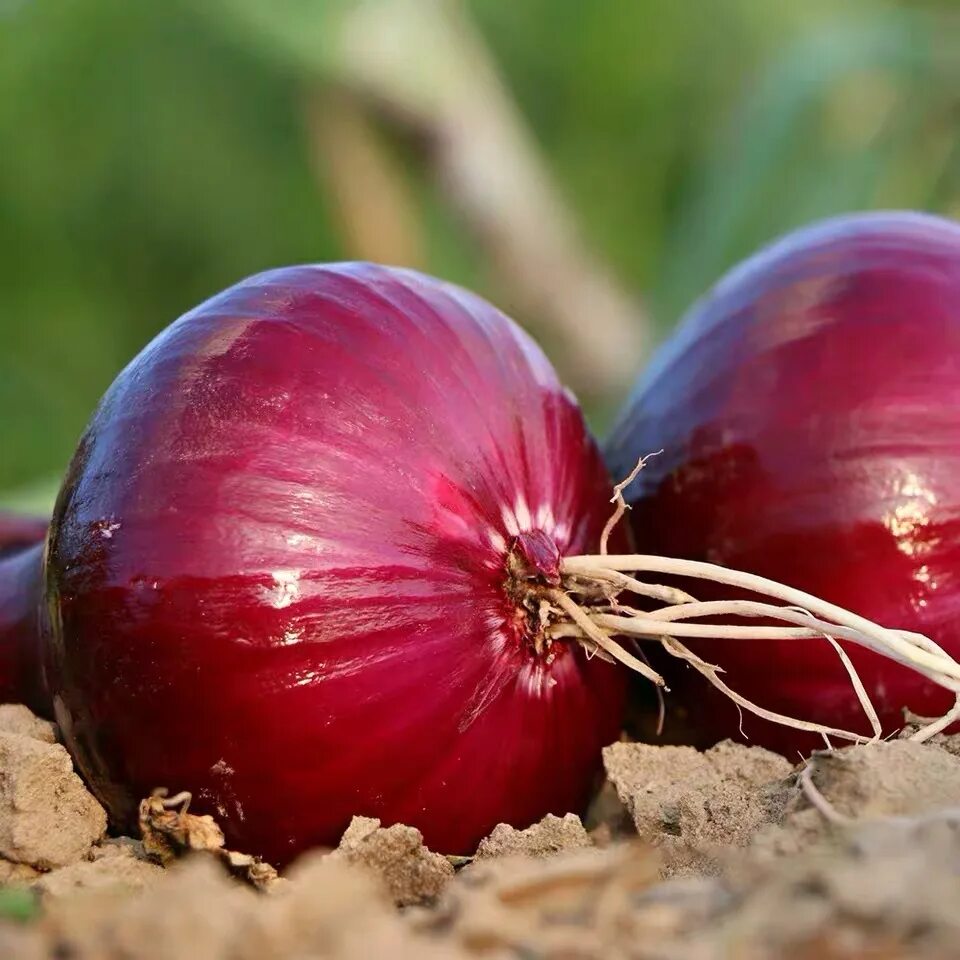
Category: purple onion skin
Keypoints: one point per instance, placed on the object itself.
(21, 547)
(277, 572)
(809, 413)
(20, 531)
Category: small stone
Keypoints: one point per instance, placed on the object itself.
(411, 872)
(544, 839)
(48, 819)
(16, 718)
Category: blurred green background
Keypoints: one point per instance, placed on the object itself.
(591, 167)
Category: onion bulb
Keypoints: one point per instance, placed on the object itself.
(338, 542)
(808, 410)
(289, 569)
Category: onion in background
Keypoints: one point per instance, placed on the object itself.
(809, 413)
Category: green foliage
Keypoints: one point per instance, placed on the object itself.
(842, 131)
(687, 139)
(18, 903)
(145, 163)
(294, 32)
(152, 153)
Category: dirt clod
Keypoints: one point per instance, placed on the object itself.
(882, 888)
(574, 905)
(694, 805)
(330, 909)
(344, 910)
(16, 874)
(854, 859)
(47, 817)
(113, 847)
(16, 718)
(412, 873)
(123, 874)
(886, 779)
(544, 839)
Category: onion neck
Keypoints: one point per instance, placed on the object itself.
(533, 571)
(20, 590)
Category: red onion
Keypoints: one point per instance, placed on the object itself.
(298, 566)
(809, 414)
(18, 532)
(20, 540)
(320, 553)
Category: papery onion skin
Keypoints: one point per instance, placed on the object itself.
(277, 568)
(809, 413)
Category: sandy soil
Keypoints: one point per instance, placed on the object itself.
(728, 853)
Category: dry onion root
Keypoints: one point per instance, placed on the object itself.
(602, 626)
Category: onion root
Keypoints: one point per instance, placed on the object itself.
(602, 621)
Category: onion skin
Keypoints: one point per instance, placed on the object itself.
(278, 568)
(809, 414)
(21, 548)
(20, 531)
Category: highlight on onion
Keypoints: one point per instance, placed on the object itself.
(338, 542)
(809, 415)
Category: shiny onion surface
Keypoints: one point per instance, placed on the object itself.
(809, 414)
(288, 569)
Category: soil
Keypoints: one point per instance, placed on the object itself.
(686, 855)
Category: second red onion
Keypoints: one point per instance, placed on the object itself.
(809, 414)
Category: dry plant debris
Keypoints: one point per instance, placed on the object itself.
(886, 779)
(170, 831)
